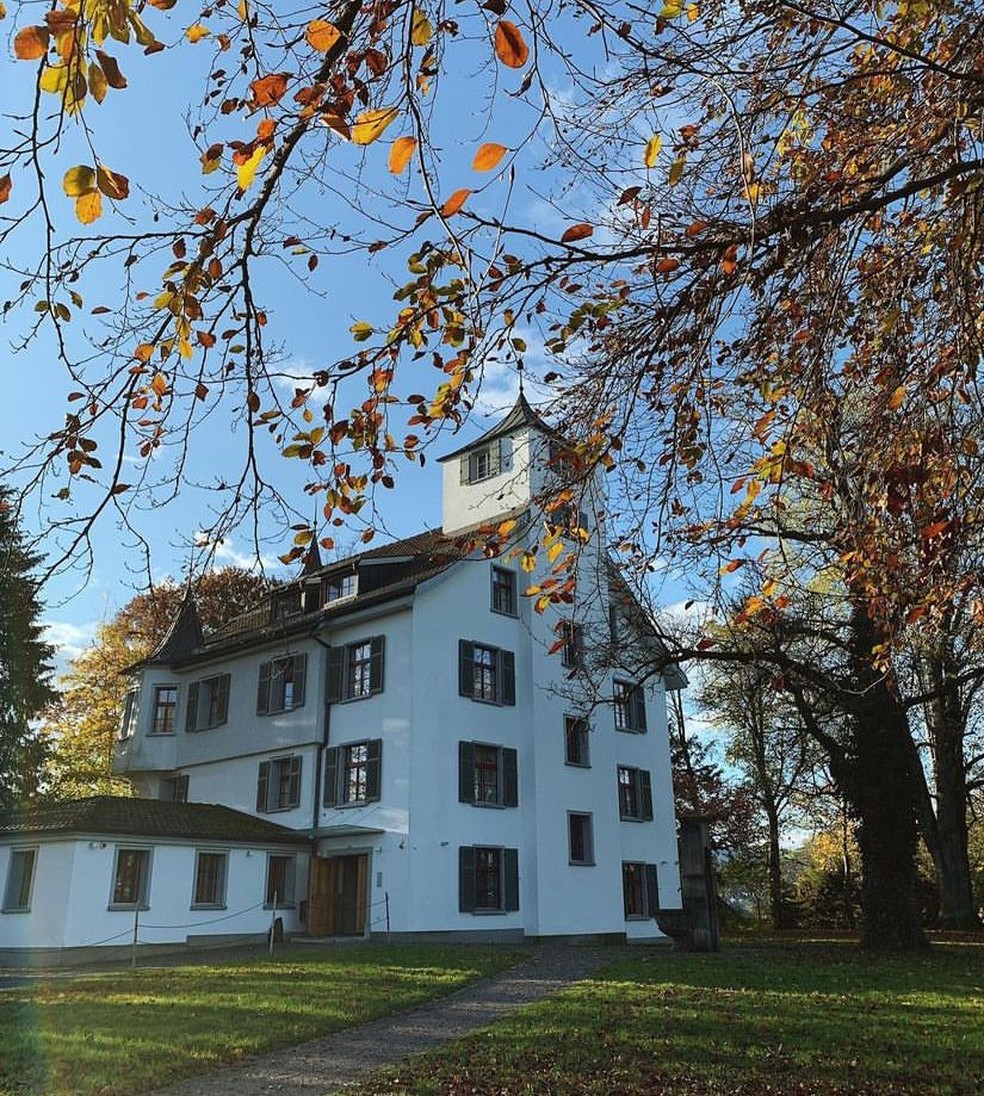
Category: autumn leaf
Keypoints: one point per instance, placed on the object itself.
(651, 153)
(322, 35)
(676, 169)
(577, 232)
(370, 124)
(196, 33)
(510, 46)
(88, 206)
(5, 187)
(111, 68)
(420, 33)
(401, 152)
(488, 156)
(729, 260)
(246, 171)
(672, 9)
(98, 83)
(79, 180)
(112, 184)
(897, 398)
(666, 266)
(31, 43)
(455, 202)
(269, 90)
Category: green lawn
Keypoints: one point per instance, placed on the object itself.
(130, 1031)
(756, 1019)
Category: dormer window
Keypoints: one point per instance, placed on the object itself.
(287, 603)
(340, 587)
(491, 460)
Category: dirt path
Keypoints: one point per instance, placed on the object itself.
(327, 1064)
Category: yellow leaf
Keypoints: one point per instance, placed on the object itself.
(401, 152)
(510, 46)
(322, 35)
(676, 169)
(88, 206)
(54, 79)
(242, 10)
(653, 146)
(554, 551)
(421, 31)
(693, 13)
(370, 124)
(671, 9)
(197, 32)
(488, 156)
(79, 180)
(246, 172)
(528, 562)
(98, 84)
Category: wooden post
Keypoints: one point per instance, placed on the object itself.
(136, 928)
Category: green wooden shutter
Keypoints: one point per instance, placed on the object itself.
(222, 703)
(645, 795)
(638, 705)
(466, 667)
(377, 644)
(336, 668)
(652, 891)
(507, 677)
(299, 673)
(466, 772)
(294, 783)
(263, 689)
(374, 757)
(466, 879)
(510, 878)
(191, 712)
(330, 797)
(510, 778)
(262, 786)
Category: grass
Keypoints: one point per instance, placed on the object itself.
(130, 1031)
(760, 1018)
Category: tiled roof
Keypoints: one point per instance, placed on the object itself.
(522, 414)
(118, 816)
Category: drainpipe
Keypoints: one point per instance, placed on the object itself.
(321, 753)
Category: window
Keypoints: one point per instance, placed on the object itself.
(280, 881)
(488, 879)
(352, 773)
(487, 775)
(580, 838)
(287, 603)
(630, 707)
(576, 741)
(281, 685)
(572, 651)
(20, 881)
(486, 673)
(355, 671)
(635, 796)
(174, 789)
(210, 879)
(208, 703)
(131, 879)
(340, 586)
(640, 891)
(278, 787)
(131, 708)
(165, 709)
(490, 460)
(504, 591)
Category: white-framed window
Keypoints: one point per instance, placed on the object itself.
(208, 703)
(355, 670)
(341, 586)
(640, 890)
(635, 795)
(174, 789)
(281, 685)
(576, 741)
(278, 784)
(131, 879)
(630, 707)
(280, 880)
(19, 885)
(580, 838)
(488, 461)
(504, 592)
(487, 775)
(488, 879)
(211, 871)
(165, 720)
(486, 673)
(352, 773)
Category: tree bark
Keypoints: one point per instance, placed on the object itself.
(777, 904)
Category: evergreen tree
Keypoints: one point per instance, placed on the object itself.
(25, 670)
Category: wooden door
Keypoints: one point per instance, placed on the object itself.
(321, 892)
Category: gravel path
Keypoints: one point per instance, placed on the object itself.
(328, 1064)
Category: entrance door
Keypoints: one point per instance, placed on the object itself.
(337, 895)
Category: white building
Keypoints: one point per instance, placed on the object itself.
(457, 762)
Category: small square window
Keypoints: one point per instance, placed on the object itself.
(504, 599)
(131, 879)
(210, 879)
(165, 709)
(20, 881)
(340, 587)
(576, 741)
(580, 838)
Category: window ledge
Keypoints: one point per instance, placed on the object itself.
(490, 913)
(196, 906)
(127, 907)
(514, 615)
(16, 909)
(578, 764)
(581, 863)
(633, 818)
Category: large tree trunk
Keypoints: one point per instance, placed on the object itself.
(777, 904)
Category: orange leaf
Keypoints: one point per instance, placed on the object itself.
(112, 184)
(322, 35)
(510, 46)
(5, 185)
(269, 90)
(401, 151)
(264, 131)
(666, 266)
(731, 565)
(897, 397)
(143, 352)
(159, 384)
(488, 156)
(31, 43)
(696, 229)
(934, 530)
(729, 260)
(576, 232)
(455, 202)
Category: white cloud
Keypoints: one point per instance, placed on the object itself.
(69, 641)
(228, 555)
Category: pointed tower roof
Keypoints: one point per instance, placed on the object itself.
(185, 634)
(522, 414)
(312, 559)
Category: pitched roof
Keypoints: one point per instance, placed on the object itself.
(184, 635)
(118, 816)
(522, 414)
